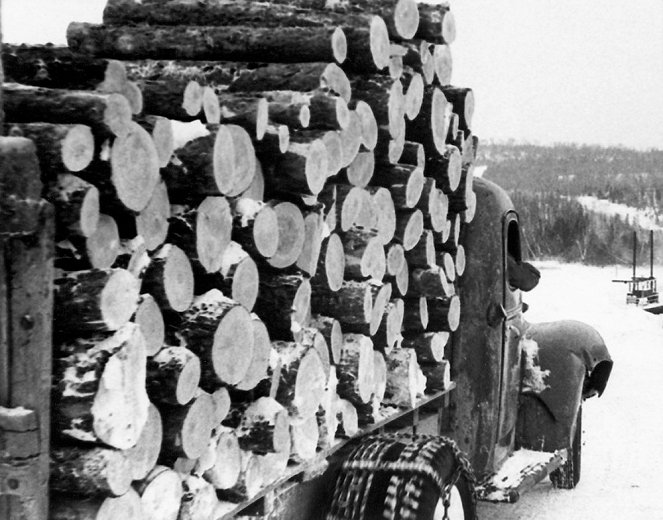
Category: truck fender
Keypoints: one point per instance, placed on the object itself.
(564, 362)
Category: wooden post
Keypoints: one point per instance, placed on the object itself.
(26, 301)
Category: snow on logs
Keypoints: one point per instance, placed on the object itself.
(325, 195)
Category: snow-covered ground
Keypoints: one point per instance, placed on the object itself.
(645, 219)
(622, 457)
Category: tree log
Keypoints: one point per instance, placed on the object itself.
(360, 171)
(443, 64)
(133, 256)
(66, 507)
(199, 499)
(173, 375)
(187, 429)
(415, 315)
(143, 456)
(431, 283)
(446, 261)
(388, 334)
(312, 338)
(60, 147)
(395, 259)
(385, 213)
(264, 427)
(152, 220)
(402, 380)
(169, 278)
(106, 114)
(351, 138)
(326, 414)
(413, 83)
(100, 388)
(93, 471)
(355, 369)
(436, 23)
(160, 494)
(429, 346)
(284, 304)
(348, 422)
(369, 125)
(364, 256)
(224, 474)
(444, 314)
(402, 280)
(438, 376)
(462, 100)
(330, 328)
(150, 320)
(255, 226)
(161, 130)
(248, 482)
(351, 304)
(423, 253)
(434, 204)
(302, 382)
(405, 182)
(331, 266)
(99, 250)
(291, 235)
(313, 235)
(386, 99)
(219, 331)
(76, 205)
(305, 438)
(460, 260)
(431, 125)
(94, 300)
(409, 227)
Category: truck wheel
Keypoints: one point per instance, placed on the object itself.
(567, 475)
(404, 483)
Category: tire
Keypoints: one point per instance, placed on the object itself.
(403, 494)
(567, 475)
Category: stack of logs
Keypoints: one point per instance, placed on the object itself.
(256, 255)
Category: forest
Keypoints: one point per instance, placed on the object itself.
(545, 183)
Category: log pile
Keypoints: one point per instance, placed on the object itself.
(258, 216)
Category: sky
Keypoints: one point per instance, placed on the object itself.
(543, 71)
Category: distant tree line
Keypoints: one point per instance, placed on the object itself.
(544, 182)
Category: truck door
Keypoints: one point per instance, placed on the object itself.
(512, 325)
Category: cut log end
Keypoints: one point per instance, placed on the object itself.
(339, 45)
(291, 235)
(379, 42)
(406, 18)
(234, 160)
(78, 148)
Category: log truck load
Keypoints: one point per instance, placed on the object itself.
(247, 272)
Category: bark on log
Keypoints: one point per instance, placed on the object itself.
(434, 204)
(413, 154)
(388, 334)
(160, 494)
(284, 304)
(150, 320)
(173, 375)
(60, 147)
(415, 316)
(405, 182)
(76, 204)
(386, 99)
(330, 328)
(409, 227)
(458, 200)
(219, 331)
(364, 256)
(221, 163)
(248, 482)
(312, 338)
(462, 100)
(355, 369)
(224, 474)
(264, 427)
(106, 114)
(187, 429)
(169, 278)
(236, 42)
(438, 376)
(94, 300)
(66, 507)
(255, 226)
(351, 304)
(143, 456)
(431, 125)
(331, 265)
(444, 314)
(436, 23)
(291, 235)
(429, 346)
(302, 383)
(402, 380)
(90, 471)
(99, 250)
(199, 499)
(100, 388)
(423, 253)
(431, 283)
(305, 437)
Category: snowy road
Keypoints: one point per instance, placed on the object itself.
(622, 453)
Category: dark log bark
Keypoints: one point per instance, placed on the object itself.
(438, 376)
(264, 427)
(431, 125)
(100, 388)
(143, 456)
(405, 183)
(388, 334)
(60, 147)
(160, 494)
(423, 253)
(255, 226)
(458, 200)
(302, 384)
(284, 304)
(462, 100)
(364, 256)
(90, 471)
(436, 23)
(369, 125)
(419, 59)
(76, 204)
(415, 314)
(169, 278)
(351, 304)
(444, 314)
(106, 114)
(237, 42)
(199, 499)
(409, 227)
(446, 169)
(429, 346)
(66, 507)
(94, 300)
(173, 375)
(385, 97)
(413, 154)
(402, 379)
(331, 266)
(330, 328)
(187, 429)
(219, 331)
(355, 369)
(431, 283)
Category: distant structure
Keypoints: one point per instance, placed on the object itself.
(642, 290)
